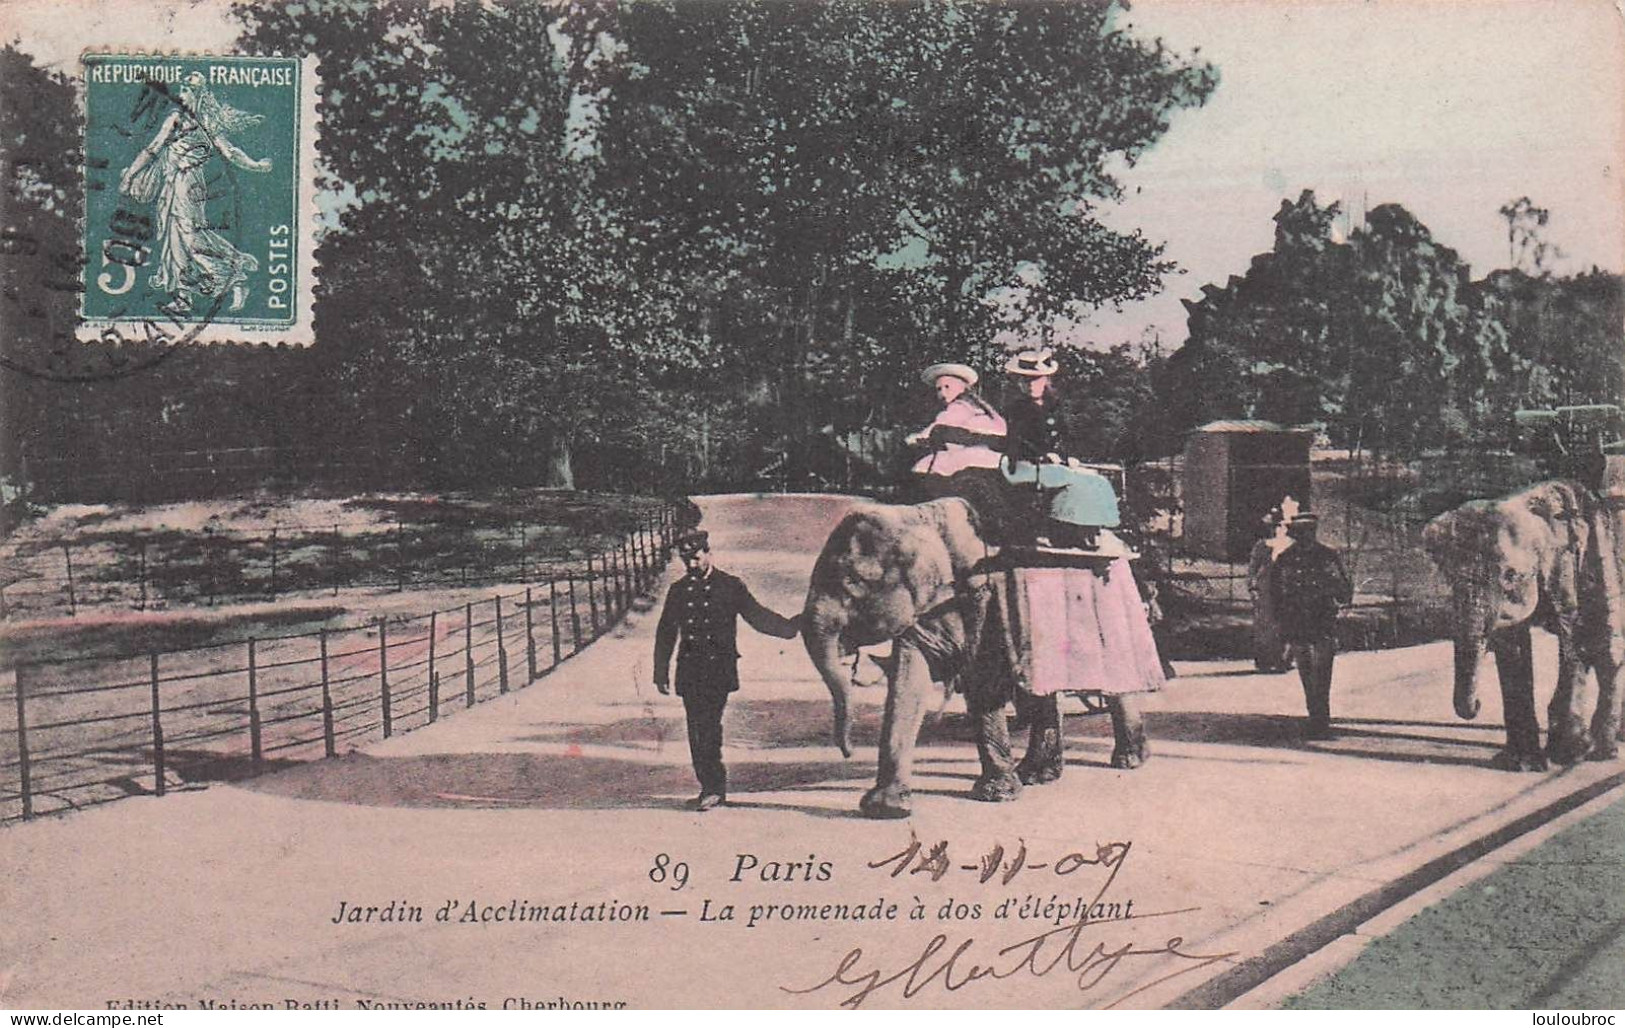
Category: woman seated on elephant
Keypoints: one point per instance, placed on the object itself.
(965, 439)
(1039, 432)
(1063, 502)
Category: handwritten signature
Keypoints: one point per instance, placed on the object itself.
(952, 966)
(1058, 948)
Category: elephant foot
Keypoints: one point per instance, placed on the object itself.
(1039, 773)
(886, 801)
(1127, 758)
(1511, 760)
(996, 789)
(1608, 750)
(1568, 749)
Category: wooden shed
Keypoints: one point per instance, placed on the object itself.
(1235, 472)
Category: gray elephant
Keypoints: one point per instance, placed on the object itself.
(915, 575)
(1551, 556)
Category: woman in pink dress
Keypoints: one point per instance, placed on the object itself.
(965, 440)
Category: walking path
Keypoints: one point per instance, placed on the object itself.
(1236, 844)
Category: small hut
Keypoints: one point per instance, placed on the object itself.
(1235, 471)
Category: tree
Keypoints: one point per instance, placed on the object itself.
(665, 198)
(1383, 337)
(1527, 248)
(528, 312)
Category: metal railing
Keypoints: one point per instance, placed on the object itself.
(90, 730)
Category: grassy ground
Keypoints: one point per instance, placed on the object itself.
(1545, 931)
(127, 557)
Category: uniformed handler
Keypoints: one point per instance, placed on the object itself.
(1310, 585)
(701, 610)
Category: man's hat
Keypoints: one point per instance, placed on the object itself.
(964, 372)
(1303, 519)
(1033, 363)
(693, 541)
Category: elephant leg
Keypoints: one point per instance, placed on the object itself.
(1568, 738)
(905, 710)
(998, 781)
(1606, 730)
(1130, 748)
(1514, 665)
(1044, 761)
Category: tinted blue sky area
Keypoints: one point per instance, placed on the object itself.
(1449, 108)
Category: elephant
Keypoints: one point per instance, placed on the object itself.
(1551, 556)
(911, 575)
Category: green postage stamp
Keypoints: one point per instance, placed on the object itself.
(199, 198)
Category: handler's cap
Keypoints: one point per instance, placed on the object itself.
(963, 372)
(1033, 363)
(1303, 519)
(693, 541)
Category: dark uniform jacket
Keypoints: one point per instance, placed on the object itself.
(1037, 430)
(1309, 585)
(704, 612)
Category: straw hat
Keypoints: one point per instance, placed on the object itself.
(1033, 363)
(963, 372)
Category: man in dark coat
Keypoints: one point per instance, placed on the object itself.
(1309, 586)
(701, 610)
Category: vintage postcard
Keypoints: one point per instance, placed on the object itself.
(764, 504)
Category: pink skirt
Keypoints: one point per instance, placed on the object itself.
(1079, 631)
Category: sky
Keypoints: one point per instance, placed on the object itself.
(1451, 108)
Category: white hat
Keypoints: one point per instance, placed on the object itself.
(963, 372)
(1033, 363)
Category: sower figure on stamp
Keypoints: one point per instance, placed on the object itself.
(171, 173)
(1309, 586)
(700, 620)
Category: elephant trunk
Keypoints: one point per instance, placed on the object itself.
(1469, 652)
(823, 643)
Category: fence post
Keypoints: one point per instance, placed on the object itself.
(273, 563)
(1393, 574)
(647, 539)
(553, 616)
(383, 674)
(628, 568)
(157, 734)
(209, 562)
(73, 600)
(22, 748)
(253, 704)
(502, 650)
(592, 598)
(616, 593)
(468, 651)
(530, 640)
(639, 556)
(400, 555)
(575, 617)
(434, 676)
(328, 741)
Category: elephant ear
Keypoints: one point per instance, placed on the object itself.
(1451, 536)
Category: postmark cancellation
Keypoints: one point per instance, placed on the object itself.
(200, 209)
